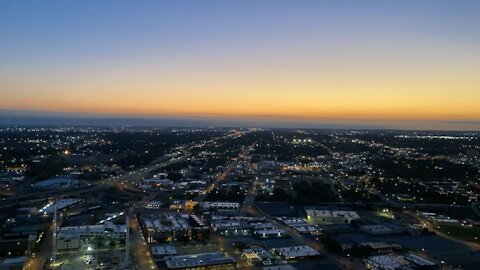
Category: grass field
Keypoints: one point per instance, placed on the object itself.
(471, 234)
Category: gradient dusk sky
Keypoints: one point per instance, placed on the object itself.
(405, 60)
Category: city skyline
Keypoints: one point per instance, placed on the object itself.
(338, 62)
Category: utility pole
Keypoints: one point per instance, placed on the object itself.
(127, 240)
(54, 236)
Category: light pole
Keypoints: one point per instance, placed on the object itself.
(54, 235)
(127, 239)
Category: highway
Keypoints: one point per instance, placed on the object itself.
(138, 248)
(132, 176)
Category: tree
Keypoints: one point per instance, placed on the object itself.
(360, 251)
(196, 208)
(331, 244)
(279, 194)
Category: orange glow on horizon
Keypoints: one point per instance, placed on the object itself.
(372, 93)
(250, 112)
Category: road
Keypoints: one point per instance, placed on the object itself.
(249, 208)
(105, 183)
(138, 248)
(132, 176)
(36, 261)
(222, 177)
(431, 227)
(229, 250)
(342, 263)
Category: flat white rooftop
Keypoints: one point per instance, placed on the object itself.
(297, 252)
(388, 262)
(326, 213)
(60, 204)
(77, 231)
(197, 260)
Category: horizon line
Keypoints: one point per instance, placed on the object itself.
(45, 118)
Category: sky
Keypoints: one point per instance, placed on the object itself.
(404, 64)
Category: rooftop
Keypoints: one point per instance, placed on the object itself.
(331, 213)
(167, 222)
(388, 262)
(59, 181)
(420, 261)
(60, 204)
(77, 231)
(297, 251)
(196, 260)
(161, 250)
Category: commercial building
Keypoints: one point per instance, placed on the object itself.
(296, 252)
(214, 260)
(178, 205)
(69, 238)
(377, 229)
(330, 216)
(155, 183)
(159, 252)
(402, 262)
(301, 226)
(222, 205)
(420, 262)
(258, 255)
(200, 230)
(387, 262)
(440, 219)
(381, 247)
(231, 228)
(238, 226)
(58, 204)
(56, 183)
(166, 228)
(154, 204)
(270, 233)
